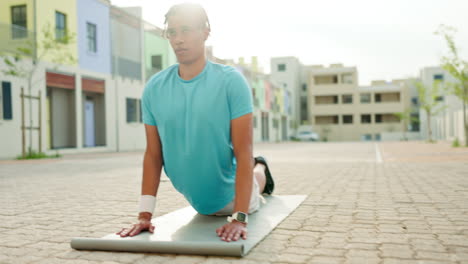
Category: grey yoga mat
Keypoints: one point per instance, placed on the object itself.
(186, 232)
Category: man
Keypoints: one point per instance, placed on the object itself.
(198, 122)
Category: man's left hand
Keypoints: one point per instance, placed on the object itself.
(232, 231)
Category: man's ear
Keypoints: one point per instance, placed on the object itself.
(207, 33)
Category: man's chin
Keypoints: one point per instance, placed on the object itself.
(185, 61)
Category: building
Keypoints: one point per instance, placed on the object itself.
(272, 106)
(341, 110)
(289, 74)
(91, 104)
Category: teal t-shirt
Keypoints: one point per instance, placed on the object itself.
(193, 118)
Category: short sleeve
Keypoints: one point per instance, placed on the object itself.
(147, 114)
(239, 95)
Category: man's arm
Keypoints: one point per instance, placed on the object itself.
(152, 165)
(241, 135)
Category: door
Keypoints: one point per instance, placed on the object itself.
(284, 123)
(265, 127)
(89, 124)
(48, 123)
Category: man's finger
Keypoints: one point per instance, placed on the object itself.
(244, 234)
(236, 236)
(220, 231)
(127, 230)
(231, 235)
(136, 230)
(122, 232)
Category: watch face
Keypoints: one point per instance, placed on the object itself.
(240, 217)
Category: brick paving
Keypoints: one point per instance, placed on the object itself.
(407, 205)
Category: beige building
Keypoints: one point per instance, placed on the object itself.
(341, 110)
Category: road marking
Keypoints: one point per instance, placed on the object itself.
(378, 155)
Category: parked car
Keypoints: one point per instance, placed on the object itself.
(307, 136)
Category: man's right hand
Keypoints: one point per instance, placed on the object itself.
(135, 229)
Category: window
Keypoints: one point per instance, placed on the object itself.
(19, 22)
(378, 98)
(377, 137)
(5, 97)
(365, 119)
(156, 62)
(439, 98)
(347, 78)
(414, 122)
(282, 67)
(378, 118)
(347, 119)
(438, 77)
(365, 98)
(133, 110)
(92, 44)
(366, 137)
(60, 26)
(255, 122)
(347, 98)
(414, 100)
(304, 87)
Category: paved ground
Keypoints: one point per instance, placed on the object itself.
(367, 203)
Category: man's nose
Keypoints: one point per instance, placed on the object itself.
(178, 39)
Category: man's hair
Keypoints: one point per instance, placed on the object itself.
(191, 9)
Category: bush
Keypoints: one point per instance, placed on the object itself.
(38, 155)
(456, 143)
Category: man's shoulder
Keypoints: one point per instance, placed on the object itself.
(225, 70)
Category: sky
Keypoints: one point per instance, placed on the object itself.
(385, 40)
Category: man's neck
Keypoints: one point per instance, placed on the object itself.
(189, 71)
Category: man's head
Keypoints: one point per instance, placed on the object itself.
(187, 28)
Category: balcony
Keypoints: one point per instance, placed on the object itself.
(326, 120)
(326, 99)
(13, 36)
(393, 97)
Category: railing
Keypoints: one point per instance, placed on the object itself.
(13, 37)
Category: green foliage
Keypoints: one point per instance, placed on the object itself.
(428, 101)
(38, 155)
(456, 143)
(406, 116)
(428, 97)
(458, 68)
(25, 59)
(452, 63)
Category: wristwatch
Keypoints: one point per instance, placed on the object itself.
(239, 217)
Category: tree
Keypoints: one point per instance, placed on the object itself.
(325, 133)
(429, 102)
(25, 59)
(458, 68)
(406, 117)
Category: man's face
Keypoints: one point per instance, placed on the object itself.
(187, 37)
